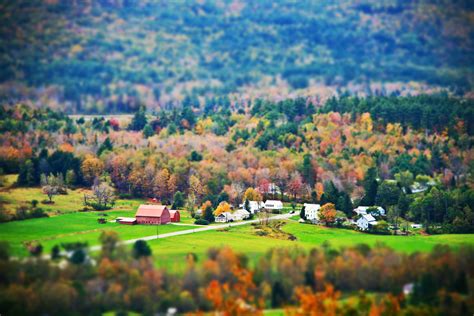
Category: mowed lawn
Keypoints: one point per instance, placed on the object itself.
(171, 252)
(73, 227)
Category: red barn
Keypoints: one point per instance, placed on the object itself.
(153, 214)
(175, 216)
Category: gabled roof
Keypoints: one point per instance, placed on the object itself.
(151, 210)
(308, 207)
(173, 213)
(241, 211)
(369, 218)
(277, 202)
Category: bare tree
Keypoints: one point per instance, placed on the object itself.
(103, 196)
(50, 186)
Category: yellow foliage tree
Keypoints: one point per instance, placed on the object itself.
(327, 213)
(92, 167)
(222, 208)
(252, 195)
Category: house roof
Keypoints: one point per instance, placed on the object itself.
(278, 202)
(127, 219)
(151, 210)
(369, 218)
(309, 207)
(363, 209)
(253, 204)
(242, 211)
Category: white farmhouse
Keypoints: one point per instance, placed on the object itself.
(273, 205)
(311, 212)
(224, 217)
(240, 214)
(365, 221)
(360, 210)
(255, 206)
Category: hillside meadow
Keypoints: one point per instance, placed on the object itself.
(170, 253)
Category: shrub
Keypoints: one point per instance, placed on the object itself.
(141, 249)
(201, 222)
(101, 220)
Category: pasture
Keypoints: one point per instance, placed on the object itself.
(73, 227)
(171, 252)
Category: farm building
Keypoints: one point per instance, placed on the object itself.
(240, 214)
(175, 216)
(254, 206)
(360, 210)
(365, 221)
(273, 205)
(153, 214)
(224, 217)
(311, 212)
(126, 220)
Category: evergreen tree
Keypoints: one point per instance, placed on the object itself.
(302, 213)
(141, 249)
(178, 200)
(148, 131)
(370, 186)
(139, 120)
(208, 214)
(106, 145)
(308, 171)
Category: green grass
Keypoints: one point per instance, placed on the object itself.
(71, 202)
(171, 252)
(79, 226)
(309, 235)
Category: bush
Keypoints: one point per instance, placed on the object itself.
(201, 222)
(141, 249)
(37, 213)
(101, 220)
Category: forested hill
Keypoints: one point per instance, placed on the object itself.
(102, 56)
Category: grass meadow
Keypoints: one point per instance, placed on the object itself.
(66, 224)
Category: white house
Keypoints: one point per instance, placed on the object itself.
(255, 206)
(224, 217)
(365, 221)
(273, 205)
(360, 210)
(240, 214)
(311, 212)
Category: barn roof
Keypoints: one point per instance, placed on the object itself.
(151, 210)
(173, 213)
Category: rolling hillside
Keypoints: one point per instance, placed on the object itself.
(101, 56)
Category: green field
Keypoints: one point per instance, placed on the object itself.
(79, 226)
(71, 202)
(70, 226)
(170, 252)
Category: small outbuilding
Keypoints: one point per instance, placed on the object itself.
(153, 214)
(126, 220)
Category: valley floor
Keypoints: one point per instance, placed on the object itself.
(72, 226)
